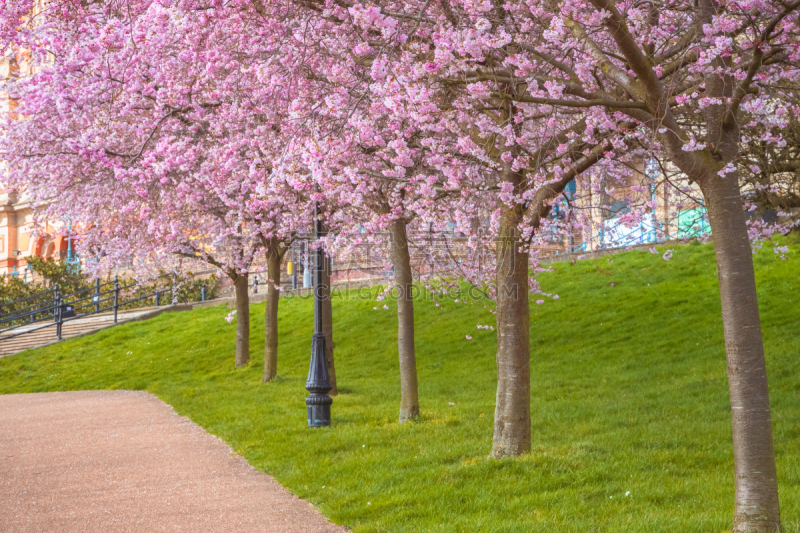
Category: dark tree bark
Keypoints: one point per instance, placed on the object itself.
(242, 320)
(756, 509)
(401, 259)
(512, 418)
(274, 257)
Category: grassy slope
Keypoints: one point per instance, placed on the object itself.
(629, 395)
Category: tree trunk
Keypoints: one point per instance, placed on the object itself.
(271, 314)
(242, 320)
(512, 418)
(756, 508)
(327, 320)
(401, 259)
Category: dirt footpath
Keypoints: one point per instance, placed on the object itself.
(114, 461)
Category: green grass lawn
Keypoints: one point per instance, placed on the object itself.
(630, 409)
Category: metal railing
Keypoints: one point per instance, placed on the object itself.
(60, 308)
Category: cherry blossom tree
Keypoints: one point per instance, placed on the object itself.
(371, 205)
(771, 170)
(140, 129)
(685, 81)
(366, 159)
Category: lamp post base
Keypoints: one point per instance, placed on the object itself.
(318, 385)
(319, 410)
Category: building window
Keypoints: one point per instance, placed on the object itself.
(2, 244)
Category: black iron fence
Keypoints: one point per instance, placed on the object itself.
(52, 308)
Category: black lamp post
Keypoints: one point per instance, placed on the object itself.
(318, 382)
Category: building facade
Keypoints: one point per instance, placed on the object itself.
(18, 240)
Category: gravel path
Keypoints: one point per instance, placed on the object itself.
(114, 461)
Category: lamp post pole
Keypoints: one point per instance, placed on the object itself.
(319, 382)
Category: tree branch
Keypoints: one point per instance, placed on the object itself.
(611, 104)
